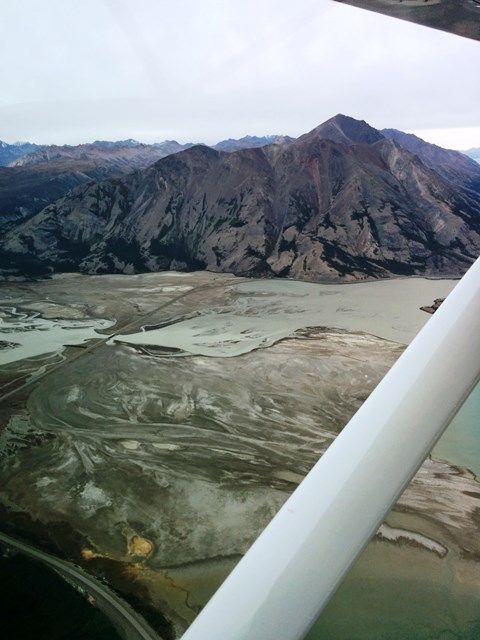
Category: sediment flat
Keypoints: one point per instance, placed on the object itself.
(179, 436)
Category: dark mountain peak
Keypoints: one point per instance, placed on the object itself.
(344, 129)
(195, 155)
(201, 150)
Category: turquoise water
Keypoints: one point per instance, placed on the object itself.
(460, 444)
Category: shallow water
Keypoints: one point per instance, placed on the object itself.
(28, 335)
(261, 312)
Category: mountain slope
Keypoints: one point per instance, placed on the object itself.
(36, 179)
(451, 165)
(352, 207)
(39, 175)
(473, 153)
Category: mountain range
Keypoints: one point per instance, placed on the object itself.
(10, 152)
(251, 142)
(32, 176)
(342, 202)
(35, 179)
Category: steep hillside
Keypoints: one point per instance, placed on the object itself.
(451, 165)
(473, 153)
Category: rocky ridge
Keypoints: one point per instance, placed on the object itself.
(341, 202)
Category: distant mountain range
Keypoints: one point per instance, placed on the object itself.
(128, 153)
(344, 201)
(10, 152)
(473, 153)
(251, 142)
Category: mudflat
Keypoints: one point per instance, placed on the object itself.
(154, 450)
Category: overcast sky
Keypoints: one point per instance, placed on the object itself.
(202, 70)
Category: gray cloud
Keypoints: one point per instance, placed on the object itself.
(202, 71)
